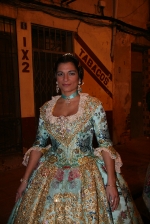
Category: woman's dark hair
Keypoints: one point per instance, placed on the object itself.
(70, 58)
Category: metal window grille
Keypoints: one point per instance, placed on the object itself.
(10, 120)
(48, 44)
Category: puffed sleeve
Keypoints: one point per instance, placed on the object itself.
(40, 143)
(102, 135)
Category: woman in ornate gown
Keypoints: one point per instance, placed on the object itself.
(69, 181)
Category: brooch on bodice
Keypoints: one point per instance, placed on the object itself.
(62, 123)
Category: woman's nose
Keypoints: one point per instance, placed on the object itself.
(65, 77)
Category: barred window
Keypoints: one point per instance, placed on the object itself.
(48, 44)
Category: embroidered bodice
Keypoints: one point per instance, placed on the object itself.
(72, 136)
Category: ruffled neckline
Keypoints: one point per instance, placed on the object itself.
(71, 118)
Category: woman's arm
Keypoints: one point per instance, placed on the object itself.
(110, 167)
(33, 161)
(111, 189)
(111, 158)
(33, 155)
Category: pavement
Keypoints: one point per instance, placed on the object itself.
(135, 154)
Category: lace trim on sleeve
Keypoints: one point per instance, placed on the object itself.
(113, 154)
(37, 148)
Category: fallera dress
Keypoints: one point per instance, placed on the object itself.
(68, 185)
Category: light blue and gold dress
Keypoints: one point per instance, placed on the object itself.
(68, 185)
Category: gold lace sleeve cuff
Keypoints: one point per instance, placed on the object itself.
(113, 154)
(36, 148)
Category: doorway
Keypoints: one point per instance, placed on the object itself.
(136, 104)
(10, 115)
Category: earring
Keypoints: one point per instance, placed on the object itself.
(79, 87)
(57, 87)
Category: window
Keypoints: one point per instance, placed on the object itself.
(48, 44)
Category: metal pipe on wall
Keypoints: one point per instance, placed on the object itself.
(115, 10)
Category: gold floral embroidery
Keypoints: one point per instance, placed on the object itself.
(44, 150)
(85, 160)
(65, 207)
(94, 194)
(52, 159)
(65, 133)
(87, 204)
(34, 200)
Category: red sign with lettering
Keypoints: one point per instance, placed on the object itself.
(94, 66)
(25, 58)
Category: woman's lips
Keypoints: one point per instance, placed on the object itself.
(66, 84)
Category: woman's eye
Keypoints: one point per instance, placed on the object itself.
(72, 73)
(59, 73)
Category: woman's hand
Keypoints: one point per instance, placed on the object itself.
(33, 161)
(112, 196)
(20, 190)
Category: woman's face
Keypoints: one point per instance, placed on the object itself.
(67, 78)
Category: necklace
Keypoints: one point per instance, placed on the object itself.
(68, 98)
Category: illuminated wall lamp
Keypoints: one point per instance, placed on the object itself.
(100, 6)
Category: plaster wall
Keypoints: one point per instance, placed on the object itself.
(123, 65)
(97, 38)
(121, 84)
(134, 12)
(87, 6)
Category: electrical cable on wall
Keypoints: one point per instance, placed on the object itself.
(91, 19)
(133, 10)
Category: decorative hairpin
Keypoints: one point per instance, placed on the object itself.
(68, 54)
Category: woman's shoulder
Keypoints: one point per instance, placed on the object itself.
(91, 104)
(92, 99)
(47, 108)
(49, 102)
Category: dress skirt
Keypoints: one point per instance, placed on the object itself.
(72, 195)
